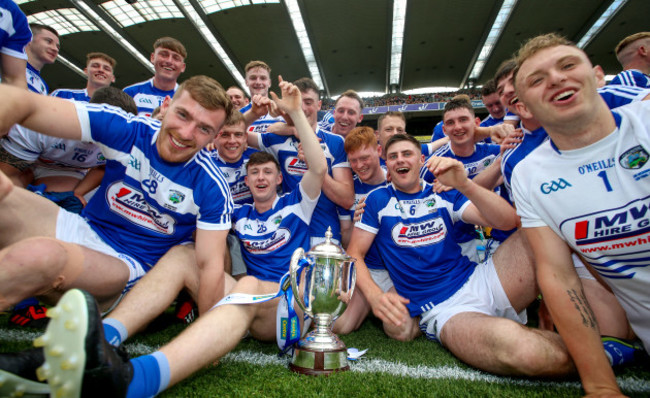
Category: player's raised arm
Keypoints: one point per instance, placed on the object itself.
(44, 114)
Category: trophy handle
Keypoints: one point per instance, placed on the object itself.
(298, 255)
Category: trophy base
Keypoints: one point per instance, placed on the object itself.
(318, 362)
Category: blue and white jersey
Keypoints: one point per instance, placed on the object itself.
(412, 235)
(73, 94)
(327, 122)
(14, 30)
(145, 205)
(52, 156)
(147, 97)
(284, 148)
(614, 97)
(483, 156)
(235, 174)
(438, 133)
(361, 190)
(490, 121)
(511, 116)
(269, 239)
(597, 198)
(617, 95)
(261, 124)
(35, 82)
(633, 78)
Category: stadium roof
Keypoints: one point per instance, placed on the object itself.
(370, 46)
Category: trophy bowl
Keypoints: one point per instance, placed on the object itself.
(326, 286)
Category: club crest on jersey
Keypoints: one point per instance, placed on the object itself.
(554, 186)
(175, 196)
(293, 165)
(278, 239)
(634, 158)
(619, 228)
(132, 205)
(419, 234)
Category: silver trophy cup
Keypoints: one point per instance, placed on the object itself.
(325, 289)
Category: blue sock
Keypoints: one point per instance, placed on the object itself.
(150, 375)
(620, 351)
(26, 303)
(114, 331)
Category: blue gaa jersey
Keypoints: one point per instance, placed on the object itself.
(490, 121)
(14, 30)
(235, 174)
(35, 82)
(147, 97)
(633, 78)
(361, 190)
(284, 148)
(597, 198)
(483, 156)
(616, 96)
(437, 132)
(327, 122)
(261, 124)
(146, 205)
(80, 95)
(412, 235)
(269, 239)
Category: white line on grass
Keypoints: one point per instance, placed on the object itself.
(629, 384)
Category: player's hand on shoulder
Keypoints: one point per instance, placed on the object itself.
(500, 132)
(512, 140)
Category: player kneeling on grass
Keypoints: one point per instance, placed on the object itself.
(217, 331)
(475, 310)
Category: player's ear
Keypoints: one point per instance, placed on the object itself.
(522, 110)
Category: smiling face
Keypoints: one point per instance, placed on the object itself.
(493, 105)
(403, 161)
(231, 142)
(237, 97)
(388, 127)
(187, 128)
(168, 64)
(310, 106)
(365, 163)
(347, 114)
(44, 48)
(459, 125)
(263, 180)
(99, 72)
(506, 92)
(558, 86)
(258, 81)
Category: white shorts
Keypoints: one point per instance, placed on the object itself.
(481, 293)
(381, 278)
(73, 228)
(236, 259)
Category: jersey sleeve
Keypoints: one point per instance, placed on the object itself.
(114, 130)
(24, 143)
(14, 32)
(369, 220)
(215, 200)
(338, 152)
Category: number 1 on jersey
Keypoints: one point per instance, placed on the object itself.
(603, 175)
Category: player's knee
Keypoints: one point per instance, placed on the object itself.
(248, 284)
(401, 333)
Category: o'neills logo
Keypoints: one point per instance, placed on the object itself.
(132, 205)
(419, 234)
(278, 239)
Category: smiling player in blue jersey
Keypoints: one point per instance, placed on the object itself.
(475, 311)
(160, 185)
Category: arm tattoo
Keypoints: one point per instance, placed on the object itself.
(8, 158)
(580, 303)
